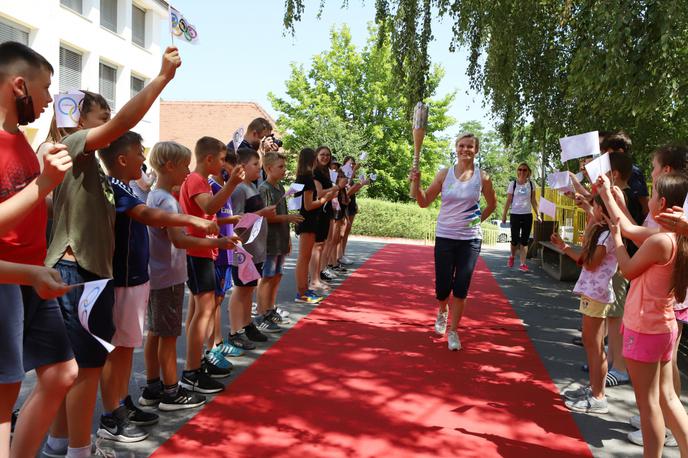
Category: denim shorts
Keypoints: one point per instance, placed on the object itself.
(273, 265)
(88, 351)
(454, 264)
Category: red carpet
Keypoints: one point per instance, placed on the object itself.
(364, 376)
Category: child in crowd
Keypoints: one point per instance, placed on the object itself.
(197, 199)
(223, 260)
(32, 332)
(247, 199)
(168, 274)
(311, 205)
(324, 187)
(123, 159)
(278, 244)
(82, 254)
(659, 275)
(351, 209)
(339, 225)
(597, 302)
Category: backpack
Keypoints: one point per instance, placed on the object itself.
(529, 181)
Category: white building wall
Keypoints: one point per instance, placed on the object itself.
(52, 25)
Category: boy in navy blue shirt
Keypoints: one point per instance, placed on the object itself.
(123, 160)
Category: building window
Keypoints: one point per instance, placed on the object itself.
(107, 82)
(70, 70)
(138, 26)
(137, 85)
(13, 32)
(108, 14)
(76, 5)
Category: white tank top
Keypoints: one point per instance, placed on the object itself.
(459, 217)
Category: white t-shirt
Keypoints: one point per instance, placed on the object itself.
(597, 285)
(520, 204)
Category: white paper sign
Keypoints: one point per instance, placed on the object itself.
(580, 176)
(582, 145)
(363, 156)
(560, 181)
(373, 176)
(597, 167)
(294, 204)
(348, 170)
(237, 138)
(255, 230)
(67, 105)
(547, 207)
(92, 290)
(293, 189)
(333, 176)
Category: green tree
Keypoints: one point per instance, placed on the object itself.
(348, 99)
(562, 67)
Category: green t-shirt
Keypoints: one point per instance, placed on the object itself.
(83, 212)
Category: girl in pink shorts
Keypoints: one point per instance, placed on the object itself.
(649, 323)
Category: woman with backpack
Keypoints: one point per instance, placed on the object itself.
(520, 197)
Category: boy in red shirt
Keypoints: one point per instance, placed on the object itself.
(197, 199)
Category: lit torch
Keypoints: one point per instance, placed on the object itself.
(420, 123)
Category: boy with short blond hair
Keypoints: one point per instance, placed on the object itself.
(278, 244)
(196, 198)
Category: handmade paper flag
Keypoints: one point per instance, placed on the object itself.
(348, 171)
(547, 207)
(333, 176)
(247, 270)
(373, 176)
(598, 167)
(294, 204)
(363, 156)
(92, 290)
(251, 222)
(237, 138)
(561, 181)
(180, 27)
(293, 189)
(580, 176)
(335, 205)
(67, 111)
(582, 145)
(255, 230)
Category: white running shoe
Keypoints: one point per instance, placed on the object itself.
(588, 404)
(346, 261)
(635, 421)
(441, 323)
(453, 341)
(636, 437)
(282, 312)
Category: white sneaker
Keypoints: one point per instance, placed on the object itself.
(636, 437)
(635, 421)
(282, 312)
(588, 404)
(580, 392)
(254, 310)
(453, 341)
(346, 261)
(441, 323)
(331, 273)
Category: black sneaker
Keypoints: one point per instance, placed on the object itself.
(325, 277)
(180, 401)
(215, 371)
(240, 340)
(137, 416)
(150, 397)
(265, 323)
(201, 382)
(117, 427)
(340, 268)
(278, 319)
(254, 334)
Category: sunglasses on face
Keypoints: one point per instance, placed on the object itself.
(522, 170)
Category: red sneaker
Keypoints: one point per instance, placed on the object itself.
(524, 268)
(510, 262)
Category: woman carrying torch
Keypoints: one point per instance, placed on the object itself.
(458, 234)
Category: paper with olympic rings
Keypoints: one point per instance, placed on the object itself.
(67, 111)
(180, 27)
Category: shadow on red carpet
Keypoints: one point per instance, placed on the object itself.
(364, 376)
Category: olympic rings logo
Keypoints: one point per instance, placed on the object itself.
(69, 106)
(240, 257)
(181, 27)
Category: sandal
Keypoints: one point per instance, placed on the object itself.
(613, 380)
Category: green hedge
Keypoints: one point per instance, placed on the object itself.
(379, 218)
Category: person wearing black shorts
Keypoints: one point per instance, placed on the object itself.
(324, 186)
(521, 199)
(311, 206)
